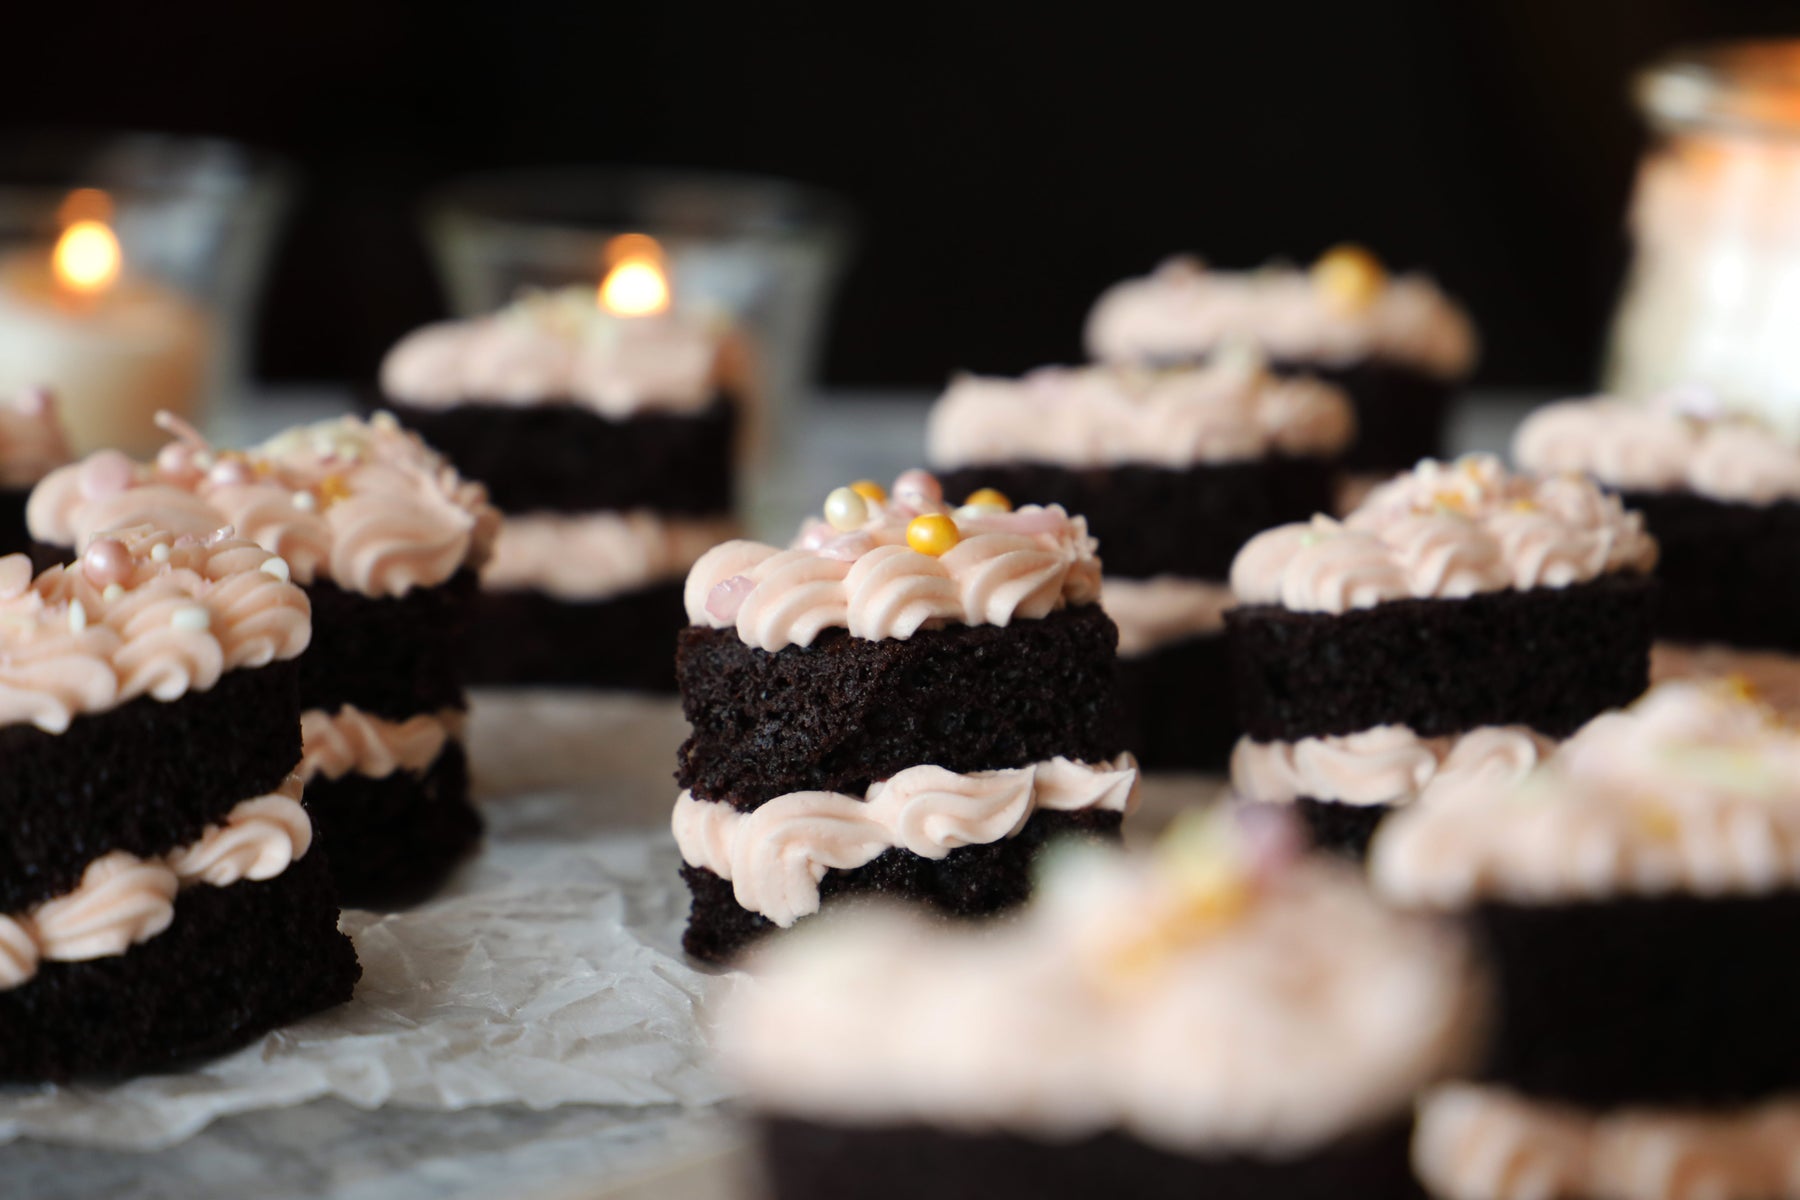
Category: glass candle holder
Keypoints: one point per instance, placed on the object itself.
(1713, 295)
(129, 269)
(764, 252)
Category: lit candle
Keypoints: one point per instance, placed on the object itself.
(115, 345)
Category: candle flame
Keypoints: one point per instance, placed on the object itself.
(635, 284)
(87, 258)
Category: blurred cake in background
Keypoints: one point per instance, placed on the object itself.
(385, 538)
(1450, 626)
(161, 892)
(1721, 495)
(1637, 895)
(1174, 470)
(1225, 1019)
(911, 702)
(31, 446)
(608, 442)
(1396, 344)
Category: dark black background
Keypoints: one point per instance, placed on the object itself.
(1007, 162)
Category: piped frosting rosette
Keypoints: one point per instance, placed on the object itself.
(142, 613)
(32, 443)
(364, 504)
(1345, 310)
(1696, 788)
(1446, 531)
(886, 566)
(1678, 441)
(1223, 995)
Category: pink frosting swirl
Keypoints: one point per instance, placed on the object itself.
(142, 614)
(1446, 530)
(1657, 446)
(561, 346)
(1389, 764)
(351, 741)
(1103, 416)
(1007, 566)
(121, 901)
(1186, 310)
(590, 556)
(363, 503)
(776, 855)
(31, 438)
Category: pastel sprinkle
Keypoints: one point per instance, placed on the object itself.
(159, 552)
(277, 567)
(305, 501)
(112, 592)
(190, 618)
(77, 616)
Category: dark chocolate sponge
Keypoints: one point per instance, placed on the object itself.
(970, 881)
(236, 962)
(1729, 572)
(1400, 412)
(563, 457)
(625, 641)
(1670, 1000)
(845, 712)
(1345, 829)
(1550, 658)
(808, 1161)
(394, 657)
(394, 840)
(1179, 711)
(15, 538)
(1154, 521)
(145, 777)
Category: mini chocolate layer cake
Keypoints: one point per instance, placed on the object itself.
(1730, 573)
(395, 656)
(1180, 713)
(625, 642)
(563, 457)
(1548, 658)
(845, 712)
(1669, 1000)
(1151, 520)
(141, 778)
(236, 962)
(973, 881)
(808, 1161)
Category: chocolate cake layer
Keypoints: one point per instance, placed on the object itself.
(1340, 828)
(970, 881)
(1658, 1001)
(623, 642)
(15, 538)
(236, 962)
(1400, 412)
(394, 840)
(808, 1161)
(1180, 714)
(1549, 658)
(563, 457)
(1165, 521)
(1729, 573)
(844, 712)
(145, 777)
(394, 657)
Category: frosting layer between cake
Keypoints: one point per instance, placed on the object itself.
(776, 855)
(1446, 530)
(353, 741)
(1656, 446)
(1185, 310)
(1152, 613)
(1693, 789)
(123, 900)
(1389, 764)
(361, 503)
(1104, 416)
(591, 556)
(1485, 1143)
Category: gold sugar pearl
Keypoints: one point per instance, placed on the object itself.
(933, 534)
(869, 490)
(846, 510)
(331, 489)
(988, 497)
(1349, 277)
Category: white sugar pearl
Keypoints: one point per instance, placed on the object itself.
(77, 616)
(191, 619)
(159, 552)
(278, 568)
(845, 510)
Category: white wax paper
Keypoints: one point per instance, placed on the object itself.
(548, 973)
